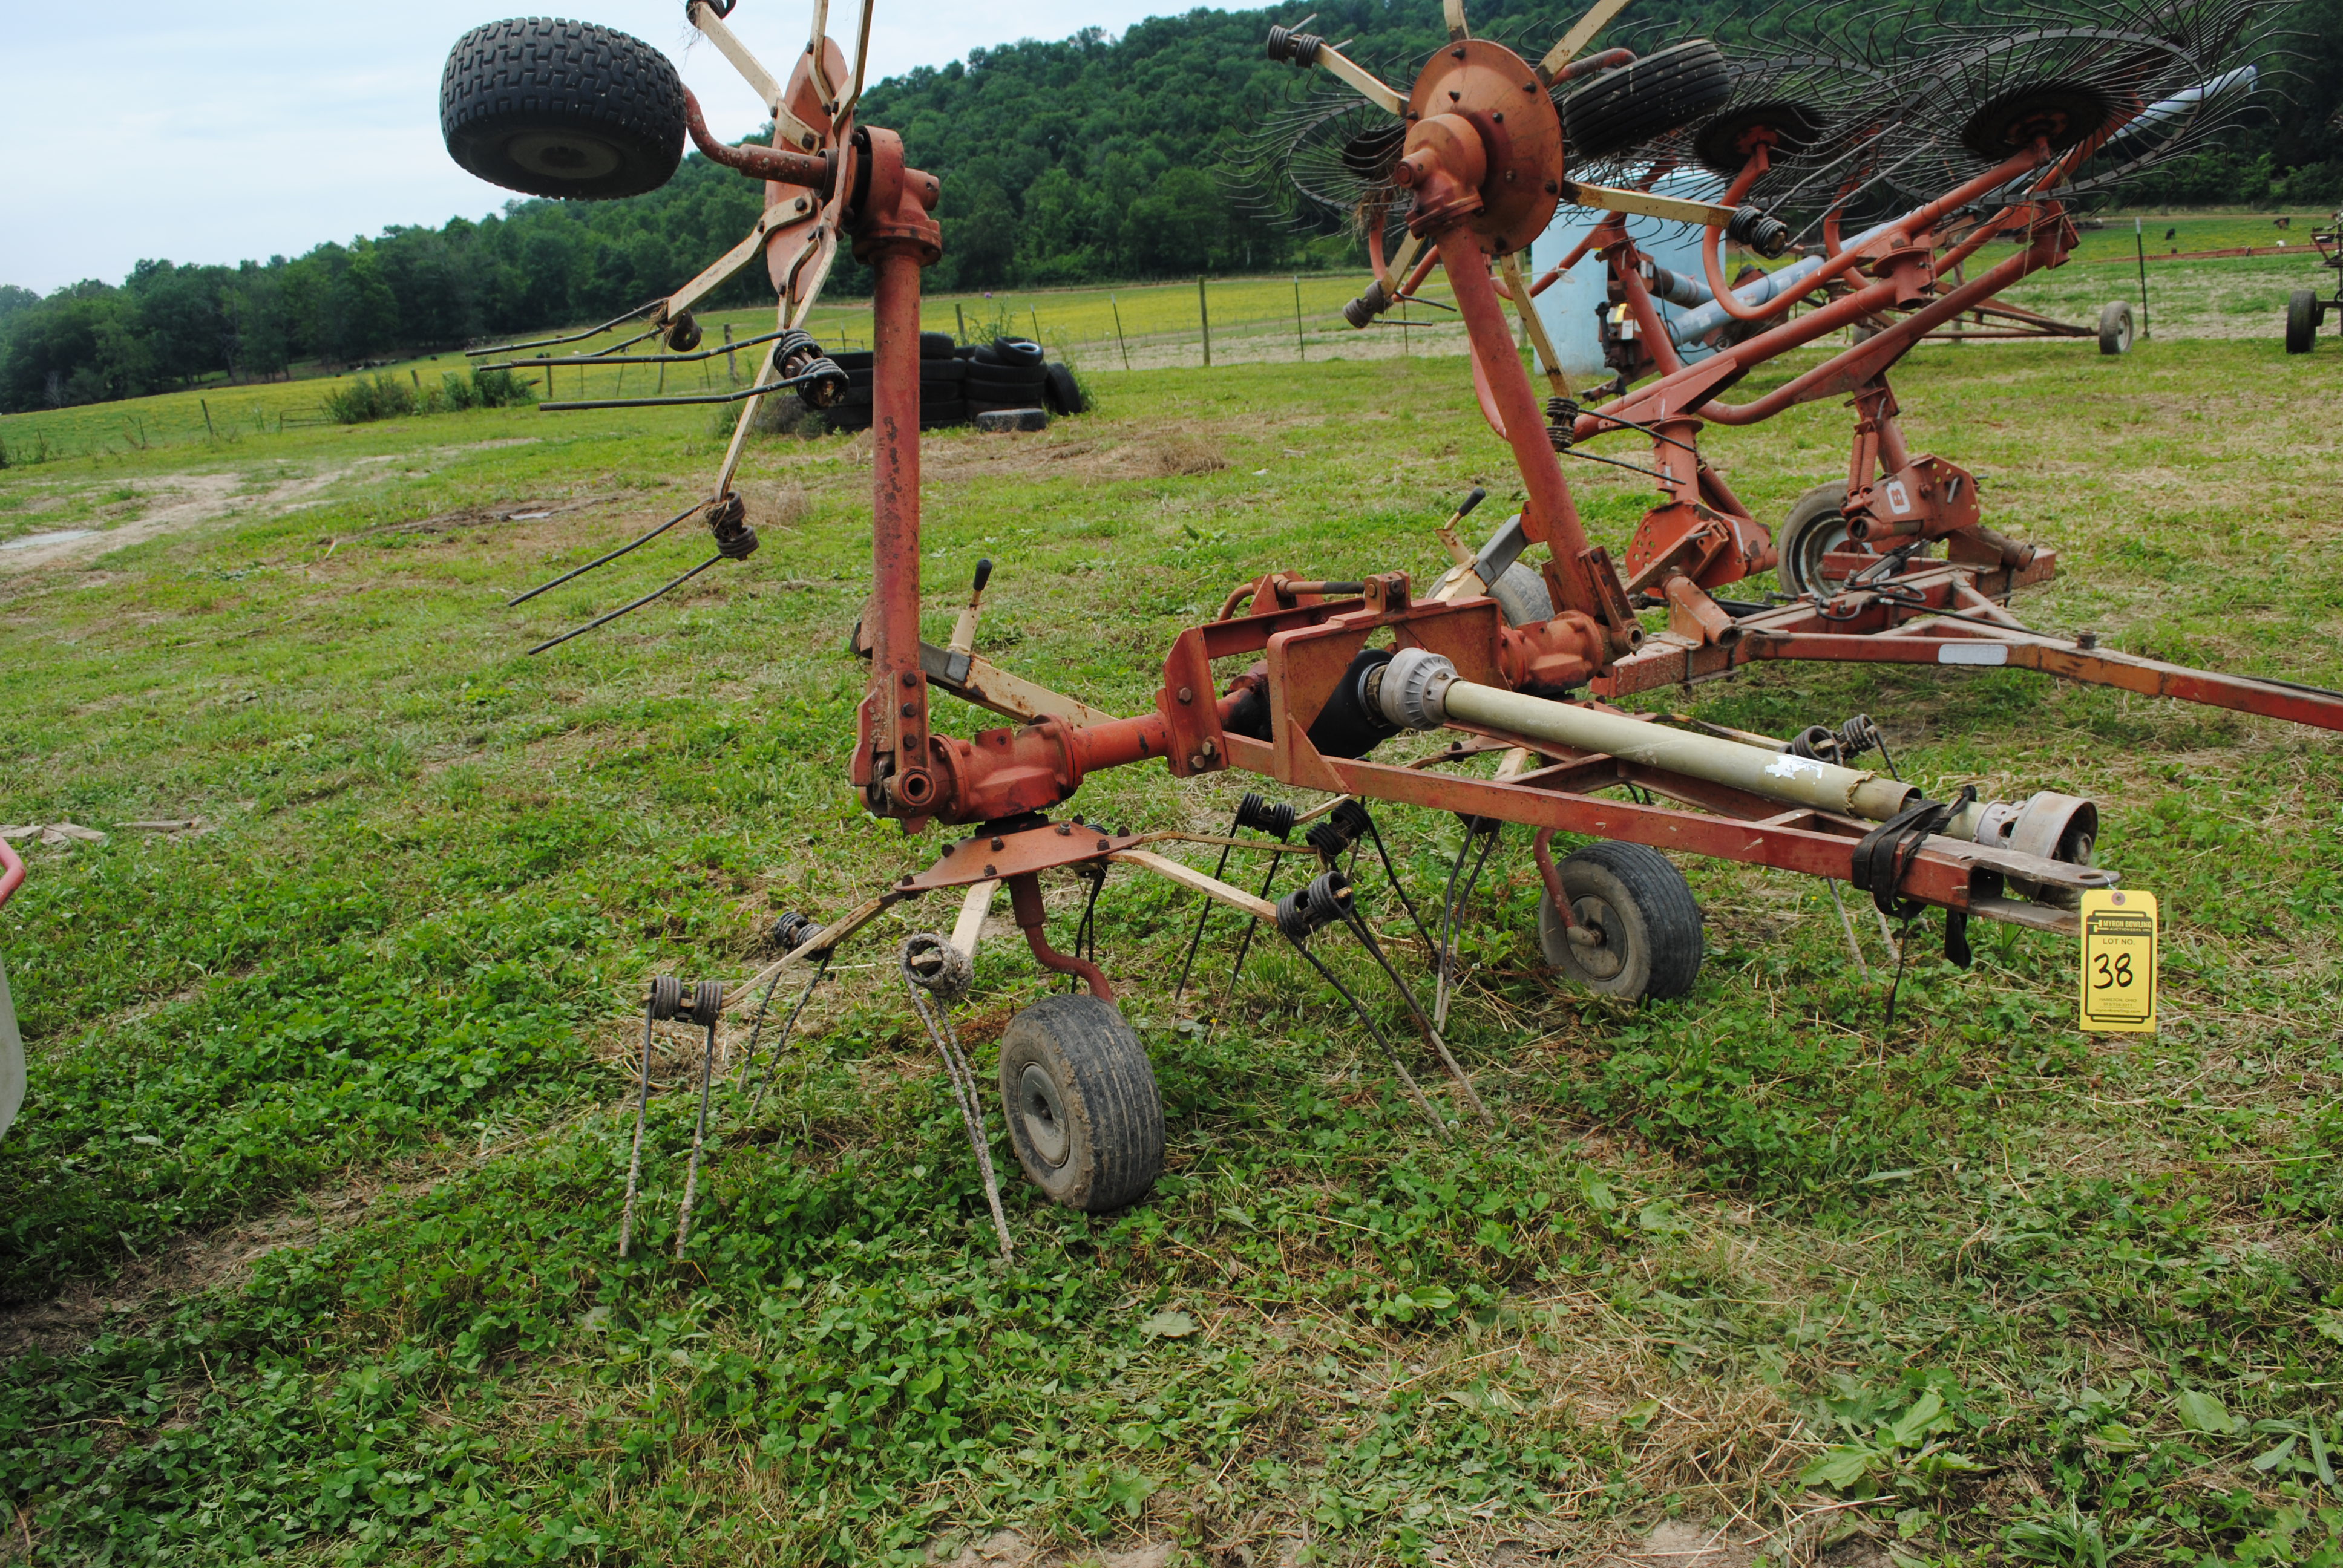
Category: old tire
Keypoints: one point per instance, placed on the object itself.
(1816, 526)
(1064, 393)
(1522, 596)
(1641, 904)
(2115, 327)
(1649, 97)
(2301, 321)
(556, 108)
(1083, 1113)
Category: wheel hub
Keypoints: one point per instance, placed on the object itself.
(1038, 1102)
(1603, 958)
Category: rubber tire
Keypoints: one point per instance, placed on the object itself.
(936, 345)
(991, 387)
(1632, 104)
(1644, 908)
(1106, 1123)
(1807, 534)
(1064, 394)
(1522, 596)
(2115, 327)
(544, 90)
(1022, 352)
(2302, 315)
(945, 372)
(852, 359)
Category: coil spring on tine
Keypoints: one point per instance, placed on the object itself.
(1299, 49)
(1312, 909)
(1264, 816)
(665, 998)
(707, 1003)
(791, 931)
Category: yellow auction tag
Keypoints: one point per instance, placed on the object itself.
(2119, 961)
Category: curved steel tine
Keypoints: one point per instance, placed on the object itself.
(607, 619)
(614, 555)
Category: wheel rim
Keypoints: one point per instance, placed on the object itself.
(1044, 1115)
(563, 155)
(1606, 959)
(1814, 545)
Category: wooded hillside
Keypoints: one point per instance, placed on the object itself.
(1076, 160)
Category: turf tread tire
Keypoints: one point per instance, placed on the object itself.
(521, 97)
(1632, 104)
(1112, 1118)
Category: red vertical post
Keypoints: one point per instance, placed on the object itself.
(895, 234)
(1551, 518)
(898, 717)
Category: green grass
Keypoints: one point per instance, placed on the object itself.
(2041, 1296)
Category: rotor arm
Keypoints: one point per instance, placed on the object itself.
(1304, 50)
(787, 127)
(816, 171)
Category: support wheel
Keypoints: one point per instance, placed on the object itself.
(1816, 526)
(2115, 327)
(2302, 315)
(1083, 1110)
(1634, 899)
(1522, 596)
(559, 108)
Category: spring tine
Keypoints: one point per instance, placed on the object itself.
(1203, 916)
(614, 555)
(569, 337)
(698, 1137)
(635, 1166)
(1853, 946)
(1414, 1089)
(1244, 946)
(607, 619)
(1389, 871)
(611, 355)
(1366, 935)
(788, 1028)
(741, 396)
(1452, 923)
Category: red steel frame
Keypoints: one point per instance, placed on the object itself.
(1701, 538)
(1472, 183)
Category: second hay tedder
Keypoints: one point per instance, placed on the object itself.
(1300, 678)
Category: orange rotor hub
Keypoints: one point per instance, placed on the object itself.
(1483, 146)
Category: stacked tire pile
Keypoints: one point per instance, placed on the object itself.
(957, 383)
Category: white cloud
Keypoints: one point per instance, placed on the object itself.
(210, 133)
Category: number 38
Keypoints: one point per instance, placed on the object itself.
(2116, 974)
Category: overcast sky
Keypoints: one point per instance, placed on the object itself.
(203, 132)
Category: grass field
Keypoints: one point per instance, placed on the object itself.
(308, 1225)
(1157, 326)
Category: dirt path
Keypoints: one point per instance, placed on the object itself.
(188, 501)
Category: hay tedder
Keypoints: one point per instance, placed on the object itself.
(1303, 676)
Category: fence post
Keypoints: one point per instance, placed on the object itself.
(2139, 243)
(962, 317)
(1119, 340)
(732, 366)
(1301, 349)
(1204, 314)
(207, 408)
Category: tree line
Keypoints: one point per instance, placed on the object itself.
(1080, 160)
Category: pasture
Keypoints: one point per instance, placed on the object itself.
(307, 1231)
